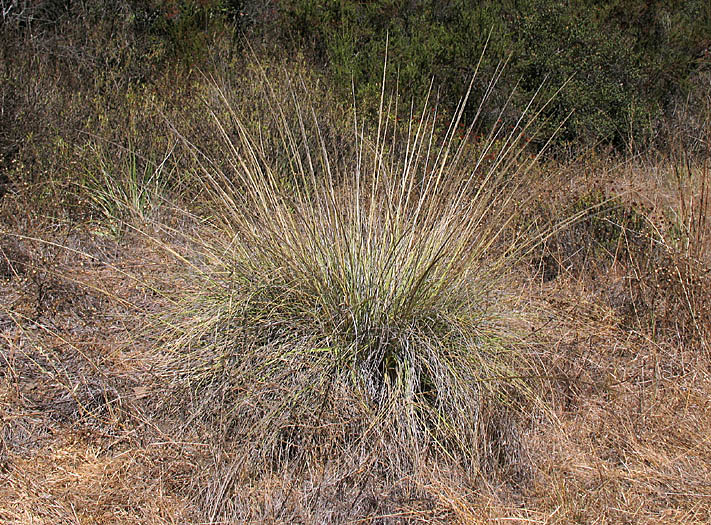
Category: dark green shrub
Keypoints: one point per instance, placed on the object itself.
(602, 93)
(623, 71)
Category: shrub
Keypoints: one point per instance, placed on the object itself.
(627, 59)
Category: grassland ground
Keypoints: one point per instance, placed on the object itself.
(269, 315)
(625, 438)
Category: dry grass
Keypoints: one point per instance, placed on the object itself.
(220, 364)
(347, 322)
(630, 442)
(627, 441)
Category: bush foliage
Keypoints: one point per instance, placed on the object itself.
(626, 60)
(627, 63)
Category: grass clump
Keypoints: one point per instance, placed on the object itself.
(352, 309)
(125, 189)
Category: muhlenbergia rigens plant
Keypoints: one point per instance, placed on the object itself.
(352, 308)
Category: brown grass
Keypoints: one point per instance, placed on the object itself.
(95, 427)
(626, 442)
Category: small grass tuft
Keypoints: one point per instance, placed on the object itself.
(125, 189)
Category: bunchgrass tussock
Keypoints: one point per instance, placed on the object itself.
(354, 309)
(124, 189)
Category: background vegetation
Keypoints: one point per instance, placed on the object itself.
(631, 67)
(629, 63)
